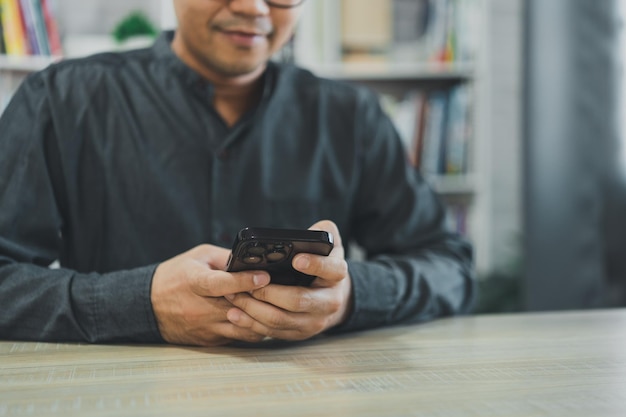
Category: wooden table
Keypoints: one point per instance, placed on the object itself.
(551, 364)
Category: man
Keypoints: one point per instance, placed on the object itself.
(136, 170)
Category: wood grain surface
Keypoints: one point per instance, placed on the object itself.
(543, 364)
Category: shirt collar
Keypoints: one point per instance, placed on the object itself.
(163, 51)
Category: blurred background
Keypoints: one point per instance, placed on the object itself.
(514, 110)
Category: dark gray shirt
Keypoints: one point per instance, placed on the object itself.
(116, 162)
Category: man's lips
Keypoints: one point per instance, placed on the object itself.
(243, 37)
(245, 32)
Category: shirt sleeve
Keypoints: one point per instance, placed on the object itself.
(39, 303)
(415, 270)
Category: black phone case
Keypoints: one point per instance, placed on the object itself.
(272, 250)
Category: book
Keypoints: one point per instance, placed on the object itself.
(29, 28)
(27, 42)
(14, 34)
(48, 10)
(458, 130)
(387, 30)
(40, 27)
(2, 46)
(432, 159)
(408, 116)
(28, 21)
(366, 29)
(421, 114)
(434, 127)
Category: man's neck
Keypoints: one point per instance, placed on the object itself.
(232, 98)
(233, 95)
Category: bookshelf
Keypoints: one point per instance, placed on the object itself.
(29, 41)
(25, 63)
(362, 41)
(82, 28)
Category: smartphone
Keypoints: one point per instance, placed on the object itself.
(272, 250)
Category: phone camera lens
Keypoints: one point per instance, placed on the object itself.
(251, 259)
(256, 249)
(276, 256)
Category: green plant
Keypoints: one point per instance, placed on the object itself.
(499, 292)
(135, 24)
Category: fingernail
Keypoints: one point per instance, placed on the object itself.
(303, 262)
(230, 297)
(260, 280)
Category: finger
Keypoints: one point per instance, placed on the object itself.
(329, 268)
(214, 283)
(214, 256)
(330, 227)
(270, 316)
(232, 332)
(244, 321)
(294, 299)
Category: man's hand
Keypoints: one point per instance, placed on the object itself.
(297, 313)
(188, 297)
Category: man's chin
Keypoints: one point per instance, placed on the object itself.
(238, 69)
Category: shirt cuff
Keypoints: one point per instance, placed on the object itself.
(123, 309)
(373, 293)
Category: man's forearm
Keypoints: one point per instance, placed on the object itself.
(392, 290)
(62, 305)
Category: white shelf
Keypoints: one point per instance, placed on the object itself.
(453, 184)
(395, 70)
(26, 63)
